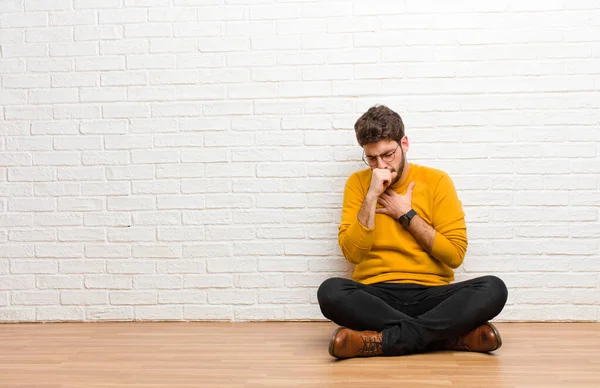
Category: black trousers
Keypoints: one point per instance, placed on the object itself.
(413, 318)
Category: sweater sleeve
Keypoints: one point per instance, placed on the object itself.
(354, 238)
(450, 242)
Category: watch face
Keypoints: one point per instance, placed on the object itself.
(404, 221)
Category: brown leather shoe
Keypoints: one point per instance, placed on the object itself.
(346, 343)
(484, 338)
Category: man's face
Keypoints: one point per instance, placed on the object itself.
(386, 154)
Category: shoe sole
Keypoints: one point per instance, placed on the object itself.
(497, 333)
(332, 343)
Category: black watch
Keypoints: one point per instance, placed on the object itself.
(404, 220)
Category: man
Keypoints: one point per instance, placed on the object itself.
(403, 227)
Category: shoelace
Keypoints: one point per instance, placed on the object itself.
(371, 345)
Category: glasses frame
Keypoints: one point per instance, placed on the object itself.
(380, 156)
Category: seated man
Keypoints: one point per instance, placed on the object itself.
(403, 227)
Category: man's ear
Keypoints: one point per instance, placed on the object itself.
(404, 143)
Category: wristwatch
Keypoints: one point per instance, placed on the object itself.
(404, 220)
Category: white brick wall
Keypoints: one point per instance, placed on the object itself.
(185, 159)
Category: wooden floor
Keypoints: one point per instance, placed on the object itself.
(281, 355)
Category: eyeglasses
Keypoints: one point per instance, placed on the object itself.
(373, 161)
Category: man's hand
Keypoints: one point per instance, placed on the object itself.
(394, 204)
(381, 178)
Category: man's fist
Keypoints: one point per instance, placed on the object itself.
(381, 178)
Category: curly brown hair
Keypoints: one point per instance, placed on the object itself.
(378, 123)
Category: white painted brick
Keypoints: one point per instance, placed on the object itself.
(157, 218)
(71, 18)
(105, 188)
(225, 140)
(13, 97)
(124, 78)
(310, 216)
(257, 248)
(223, 44)
(283, 296)
(59, 282)
(32, 235)
(281, 201)
(229, 233)
(266, 313)
(208, 313)
(205, 186)
(235, 265)
(208, 281)
(59, 314)
(103, 94)
(147, 3)
(125, 110)
(151, 61)
(181, 202)
(162, 187)
(31, 204)
(276, 74)
(109, 314)
(77, 112)
(233, 297)
(259, 281)
(111, 282)
(133, 297)
(230, 170)
(24, 50)
(186, 61)
(57, 219)
(56, 65)
(180, 234)
(127, 142)
(91, 158)
(81, 234)
(161, 251)
(108, 219)
(15, 159)
(159, 313)
(28, 113)
(285, 170)
(153, 282)
(129, 267)
(311, 248)
(26, 81)
(122, 16)
(132, 234)
(148, 30)
(59, 250)
(154, 156)
(30, 19)
(17, 282)
(80, 173)
(34, 298)
(124, 46)
(83, 298)
(43, 143)
(80, 204)
(279, 139)
(106, 127)
(13, 36)
(207, 217)
(181, 267)
(258, 186)
(176, 109)
(182, 77)
(26, 314)
(216, 201)
(187, 170)
(81, 266)
(178, 14)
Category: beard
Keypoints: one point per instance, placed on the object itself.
(400, 168)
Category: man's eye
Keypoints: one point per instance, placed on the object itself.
(386, 155)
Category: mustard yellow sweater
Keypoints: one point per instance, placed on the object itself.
(388, 252)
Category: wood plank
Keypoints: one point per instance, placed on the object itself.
(281, 354)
